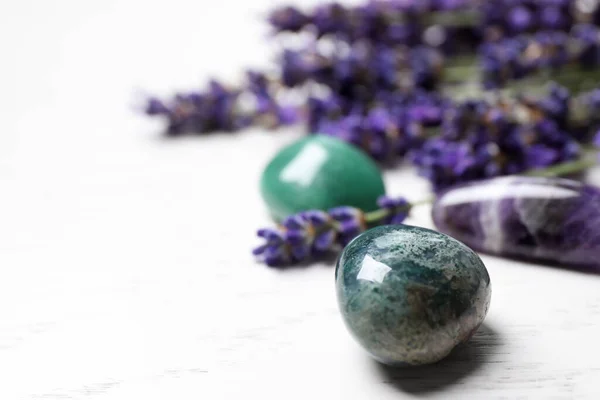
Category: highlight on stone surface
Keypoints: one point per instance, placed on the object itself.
(533, 218)
(319, 173)
(409, 295)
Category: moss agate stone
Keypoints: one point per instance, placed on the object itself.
(409, 295)
(550, 220)
(318, 173)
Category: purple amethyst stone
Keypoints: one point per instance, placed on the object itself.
(532, 218)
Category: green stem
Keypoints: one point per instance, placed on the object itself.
(375, 217)
(462, 77)
(566, 168)
(452, 18)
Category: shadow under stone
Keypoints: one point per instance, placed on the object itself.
(464, 360)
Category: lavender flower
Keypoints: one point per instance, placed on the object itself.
(199, 112)
(298, 237)
(390, 22)
(322, 110)
(389, 126)
(482, 139)
(588, 51)
(332, 18)
(221, 108)
(520, 56)
(288, 19)
(350, 223)
(275, 250)
(446, 162)
(364, 69)
(510, 18)
(397, 208)
(555, 105)
(519, 19)
(407, 22)
(311, 234)
(297, 67)
(478, 139)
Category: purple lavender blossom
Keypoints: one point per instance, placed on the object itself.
(555, 105)
(274, 252)
(298, 237)
(388, 128)
(320, 110)
(396, 22)
(297, 67)
(554, 17)
(539, 156)
(446, 162)
(519, 19)
(311, 234)
(517, 57)
(364, 69)
(512, 18)
(350, 223)
(332, 18)
(480, 140)
(398, 209)
(589, 45)
(520, 56)
(324, 235)
(156, 106)
(288, 19)
(221, 108)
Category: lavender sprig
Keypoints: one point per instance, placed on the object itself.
(518, 132)
(521, 56)
(311, 234)
(357, 72)
(449, 24)
(387, 128)
(399, 22)
(223, 108)
(480, 140)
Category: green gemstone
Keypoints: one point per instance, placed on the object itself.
(320, 172)
(409, 295)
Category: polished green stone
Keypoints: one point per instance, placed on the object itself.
(320, 172)
(409, 295)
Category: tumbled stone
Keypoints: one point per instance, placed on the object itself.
(550, 220)
(318, 173)
(409, 295)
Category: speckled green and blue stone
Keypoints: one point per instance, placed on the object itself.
(318, 173)
(409, 295)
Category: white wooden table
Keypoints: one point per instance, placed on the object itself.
(124, 257)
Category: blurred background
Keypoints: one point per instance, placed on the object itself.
(125, 261)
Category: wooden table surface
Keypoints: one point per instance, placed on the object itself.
(124, 257)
